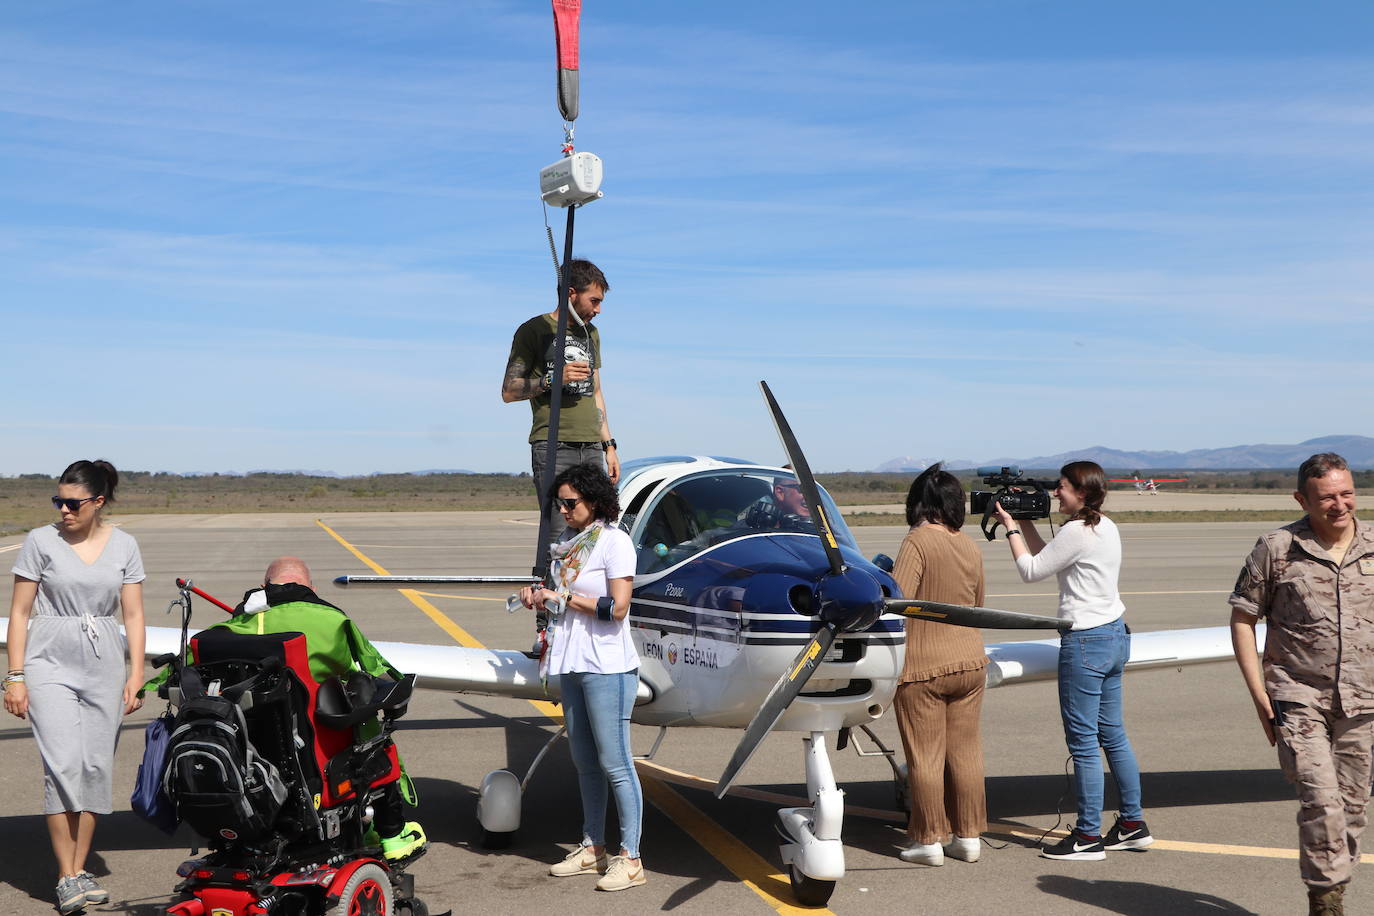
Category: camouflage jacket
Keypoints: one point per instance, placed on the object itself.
(1320, 639)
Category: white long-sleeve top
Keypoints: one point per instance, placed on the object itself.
(1087, 562)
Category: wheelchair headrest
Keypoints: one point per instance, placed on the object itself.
(220, 644)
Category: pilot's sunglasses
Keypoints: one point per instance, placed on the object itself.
(72, 505)
(568, 503)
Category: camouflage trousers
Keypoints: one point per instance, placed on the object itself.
(1327, 759)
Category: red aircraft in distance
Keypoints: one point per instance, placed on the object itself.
(1146, 486)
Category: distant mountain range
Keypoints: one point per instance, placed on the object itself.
(1358, 450)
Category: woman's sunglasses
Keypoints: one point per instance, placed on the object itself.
(72, 505)
(567, 503)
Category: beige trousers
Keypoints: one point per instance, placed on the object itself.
(938, 720)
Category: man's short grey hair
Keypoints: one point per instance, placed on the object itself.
(1319, 465)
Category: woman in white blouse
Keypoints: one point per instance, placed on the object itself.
(1094, 646)
(590, 652)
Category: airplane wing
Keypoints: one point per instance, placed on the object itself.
(490, 672)
(1038, 659)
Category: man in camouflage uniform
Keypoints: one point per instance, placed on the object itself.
(1313, 581)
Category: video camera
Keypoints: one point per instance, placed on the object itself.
(1022, 497)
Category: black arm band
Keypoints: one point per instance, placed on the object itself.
(1014, 531)
(604, 608)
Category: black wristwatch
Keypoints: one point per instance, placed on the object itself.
(609, 443)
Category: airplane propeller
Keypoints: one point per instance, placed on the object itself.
(850, 600)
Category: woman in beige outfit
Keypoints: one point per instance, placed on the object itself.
(940, 690)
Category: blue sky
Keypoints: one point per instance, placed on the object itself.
(242, 235)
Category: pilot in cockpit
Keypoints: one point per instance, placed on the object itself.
(784, 509)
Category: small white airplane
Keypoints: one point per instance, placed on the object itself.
(746, 616)
(1146, 486)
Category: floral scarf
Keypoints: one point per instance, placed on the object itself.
(568, 559)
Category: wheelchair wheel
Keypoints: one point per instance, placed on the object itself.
(366, 893)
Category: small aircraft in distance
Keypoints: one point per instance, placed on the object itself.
(1150, 485)
(750, 612)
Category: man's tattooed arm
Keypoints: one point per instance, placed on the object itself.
(518, 386)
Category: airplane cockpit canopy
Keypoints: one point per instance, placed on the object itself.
(710, 508)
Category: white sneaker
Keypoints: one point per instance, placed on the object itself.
(924, 854)
(965, 849)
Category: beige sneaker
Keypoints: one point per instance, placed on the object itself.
(620, 875)
(581, 861)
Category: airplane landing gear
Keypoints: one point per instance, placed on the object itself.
(810, 846)
(499, 800)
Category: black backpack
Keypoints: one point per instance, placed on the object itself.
(219, 783)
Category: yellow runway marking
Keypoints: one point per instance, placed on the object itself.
(445, 546)
(10, 547)
(459, 597)
(756, 872)
(751, 868)
(1010, 830)
(445, 623)
(1215, 849)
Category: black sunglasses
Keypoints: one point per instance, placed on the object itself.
(568, 503)
(72, 504)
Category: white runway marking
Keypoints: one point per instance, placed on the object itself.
(11, 547)
(519, 521)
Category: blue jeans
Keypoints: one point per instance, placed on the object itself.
(597, 709)
(1090, 665)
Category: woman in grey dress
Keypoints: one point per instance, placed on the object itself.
(66, 662)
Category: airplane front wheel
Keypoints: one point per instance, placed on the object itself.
(496, 839)
(810, 891)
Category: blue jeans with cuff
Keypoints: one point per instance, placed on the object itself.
(1091, 663)
(597, 710)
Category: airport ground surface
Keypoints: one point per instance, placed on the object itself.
(1222, 814)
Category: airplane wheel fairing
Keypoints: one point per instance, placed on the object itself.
(498, 802)
(366, 893)
(809, 891)
(496, 839)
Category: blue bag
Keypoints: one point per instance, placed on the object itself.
(149, 801)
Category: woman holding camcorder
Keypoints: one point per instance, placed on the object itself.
(1094, 646)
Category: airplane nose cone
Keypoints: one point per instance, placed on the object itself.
(851, 601)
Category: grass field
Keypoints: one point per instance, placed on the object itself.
(24, 500)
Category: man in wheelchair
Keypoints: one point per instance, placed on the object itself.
(312, 721)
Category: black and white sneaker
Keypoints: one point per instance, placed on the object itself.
(1075, 846)
(1127, 835)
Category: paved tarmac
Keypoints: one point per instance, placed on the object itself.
(1222, 814)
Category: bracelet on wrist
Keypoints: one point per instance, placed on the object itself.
(1011, 531)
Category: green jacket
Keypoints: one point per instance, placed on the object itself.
(336, 644)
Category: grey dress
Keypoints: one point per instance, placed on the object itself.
(74, 664)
